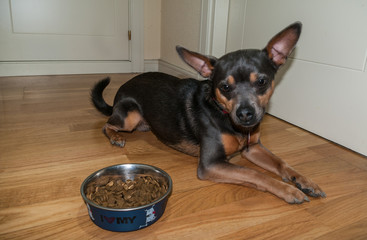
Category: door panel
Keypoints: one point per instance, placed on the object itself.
(42, 30)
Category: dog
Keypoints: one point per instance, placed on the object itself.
(214, 118)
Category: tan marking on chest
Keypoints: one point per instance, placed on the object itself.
(233, 144)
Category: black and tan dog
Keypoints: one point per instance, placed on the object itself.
(212, 119)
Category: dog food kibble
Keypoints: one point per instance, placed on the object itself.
(113, 192)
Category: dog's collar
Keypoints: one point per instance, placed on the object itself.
(217, 104)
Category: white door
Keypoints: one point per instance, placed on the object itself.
(323, 86)
(65, 36)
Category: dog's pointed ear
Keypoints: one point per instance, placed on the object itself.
(203, 64)
(282, 44)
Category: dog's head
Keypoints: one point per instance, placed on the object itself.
(243, 80)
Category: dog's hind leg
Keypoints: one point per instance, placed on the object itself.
(126, 117)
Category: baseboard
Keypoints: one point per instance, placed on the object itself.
(151, 65)
(63, 67)
(71, 67)
(175, 71)
(84, 67)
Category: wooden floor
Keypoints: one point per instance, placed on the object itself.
(51, 140)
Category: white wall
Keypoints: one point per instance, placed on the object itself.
(180, 26)
(152, 29)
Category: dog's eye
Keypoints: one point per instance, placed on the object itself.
(225, 88)
(261, 81)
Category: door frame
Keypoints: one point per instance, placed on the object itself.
(213, 27)
(136, 63)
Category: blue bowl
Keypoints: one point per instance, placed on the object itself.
(127, 219)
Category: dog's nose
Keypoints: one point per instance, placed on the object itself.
(246, 114)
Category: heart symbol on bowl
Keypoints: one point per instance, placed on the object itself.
(109, 219)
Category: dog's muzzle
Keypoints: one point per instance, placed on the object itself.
(248, 116)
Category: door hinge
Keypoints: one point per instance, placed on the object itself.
(129, 34)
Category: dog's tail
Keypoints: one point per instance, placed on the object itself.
(97, 97)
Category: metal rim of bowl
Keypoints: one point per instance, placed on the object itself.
(165, 174)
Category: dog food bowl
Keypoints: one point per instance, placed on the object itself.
(124, 219)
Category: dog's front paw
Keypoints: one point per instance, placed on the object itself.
(293, 195)
(302, 183)
(308, 187)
